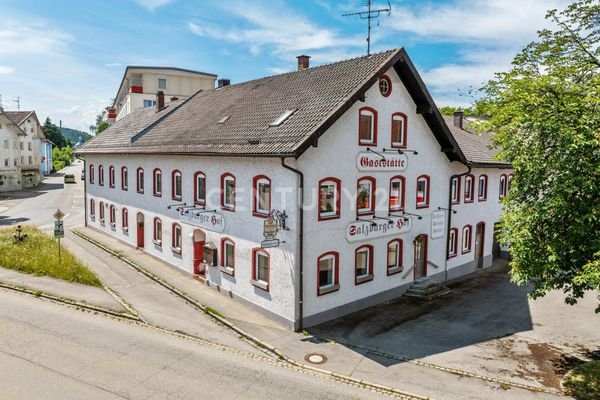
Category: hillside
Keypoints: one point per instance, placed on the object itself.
(75, 135)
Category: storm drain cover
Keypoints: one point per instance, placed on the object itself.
(315, 358)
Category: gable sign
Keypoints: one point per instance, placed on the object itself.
(371, 162)
(366, 230)
(438, 224)
(211, 220)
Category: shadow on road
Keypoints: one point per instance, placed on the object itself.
(6, 221)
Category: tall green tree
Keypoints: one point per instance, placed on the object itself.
(546, 112)
(53, 133)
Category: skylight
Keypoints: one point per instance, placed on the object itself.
(223, 120)
(283, 117)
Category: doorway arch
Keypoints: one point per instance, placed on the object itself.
(198, 239)
(139, 219)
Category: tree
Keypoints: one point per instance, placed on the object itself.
(101, 122)
(52, 132)
(546, 112)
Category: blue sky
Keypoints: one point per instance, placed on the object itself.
(65, 58)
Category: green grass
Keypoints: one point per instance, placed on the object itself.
(214, 311)
(583, 382)
(38, 255)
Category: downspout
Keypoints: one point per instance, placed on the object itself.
(85, 203)
(450, 216)
(300, 296)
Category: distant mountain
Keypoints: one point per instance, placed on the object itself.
(75, 136)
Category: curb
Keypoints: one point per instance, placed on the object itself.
(340, 377)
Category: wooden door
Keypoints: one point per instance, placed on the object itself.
(479, 239)
(199, 239)
(140, 230)
(420, 254)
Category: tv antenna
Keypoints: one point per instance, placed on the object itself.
(18, 101)
(369, 15)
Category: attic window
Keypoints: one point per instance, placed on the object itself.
(282, 118)
(223, 120)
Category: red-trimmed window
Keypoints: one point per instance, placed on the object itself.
(328, 273)
(455, 190)
(112, 215)
(157, 231)
(176, 235)
(140, 180)
(396, 200)
(329, 198)
(365, 196)
(385, 86)
(503, 186)
(466, 239)
(124, 178)
(157, 182)
(399, 128)
(125, 219)
(200, 188)
(228, 256)
(363, 264)
(482, 191)
(176, 185)
(453, 243)
(228, 192)
(111, 176)
(394, 256)
(101, 212)
(469, 185)
(423, 191)
(367, 127)
(261, 186)
(260, 268)
(101, 175)
(91, 174)
(92, 209)
(509, 182)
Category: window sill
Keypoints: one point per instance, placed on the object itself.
(469, 201)
(331, 289)
(157, 242)
(140, 191)
(176, 198)
(157, 194)
(260, 214)
(199, 203)
(466, 251)
(113, 225)
(260, 284)
(125, 229)
(124, 189)
(363, 213)
(176, 250)
(227, 270)
(395, 210)
(226, 208)
(102, 221)
(422, 206)
(364, 279)
(394, 270)
(111, 186)
(398, 146)
(452, 256)
(328, 217)
(372, 144)
(482, 199)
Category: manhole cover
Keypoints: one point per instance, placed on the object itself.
(316, 358)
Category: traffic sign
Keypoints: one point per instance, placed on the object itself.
(58, 215)
(59, 230)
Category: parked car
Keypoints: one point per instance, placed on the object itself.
(69, 178)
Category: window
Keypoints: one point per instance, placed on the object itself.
(125, 219)
(482, 193)
(399, 127)
(466, 239)
(101, 212)
(469, 183)
(157, 182)
(162, 83)
(365, 196)
(92, 209)
(423, 191)
(394, 257)
(228, 256)
(6, 160)
(176, 238)
(176, 188)
(199, 188)
(29, 143)
(396, 200)
(503, 186)
(282, 118)
(328, 273)
(101, 175)
(509, 182)
(228, 192)
(149, 103)
(367, 127)
(262, 196)
(455, 189)
(140, 180)
(112, 215)
(124, 178)
(385, 86)
(91, 173)
(157, 232)
(329, 198)
(111, 176)
(30, 160)
(453, 243)
(260, 269)
(6, 143)
(21, 146)
(363, 264)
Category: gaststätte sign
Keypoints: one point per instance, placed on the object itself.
(367, 161)
(366, 230)
(209, 220)
(438, 224)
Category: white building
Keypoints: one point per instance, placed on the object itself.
(363, 145)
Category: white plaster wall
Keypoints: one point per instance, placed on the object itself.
(10, 176)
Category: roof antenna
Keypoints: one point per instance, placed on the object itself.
(18, 101)
(369, 15)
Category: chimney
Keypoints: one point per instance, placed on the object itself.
(160, 100)
(458, 119)
(303, 62)
(223, 82)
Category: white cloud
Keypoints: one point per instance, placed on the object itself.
(18, 39)
(6, 70)
(113, 65)
(153, 4)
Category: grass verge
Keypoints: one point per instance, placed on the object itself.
(38, 255)
(583, 382)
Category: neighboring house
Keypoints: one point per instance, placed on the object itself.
(46, 151)
(360, 142)
(10, 154)
(140, 85)
(30, 146)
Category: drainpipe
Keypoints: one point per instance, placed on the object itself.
(85, 203)
(450, 217)
(300, 298)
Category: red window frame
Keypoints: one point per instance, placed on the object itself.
(92, 209)
(465, 250)
(424, 204)
(508, 182)
(338, 184)
(112, 215)
(111, 176)
(389, 85)
(400, 206)
(91, 174)
(100, 175)
(400, 257)
(470, 196)
(174, 248)
(371, 209)
(124, 178)
(485, 179)
(225, 268)
(452, 254)
(453, 199)
(503, 186)
(155, 237)
(223, 179)
(255, 181)
(139, 182)
(101, 212)
(155, 173)
(124, 218)
(336, 274)
(404, 118)
(373, 142)
(255, 252)
(196, 201)
(369, 277)
(174, 174)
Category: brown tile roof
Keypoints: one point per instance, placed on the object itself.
(17, 116)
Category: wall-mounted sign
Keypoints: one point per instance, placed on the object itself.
(265, 244)
(438, 224)
(367, 161)
(366, 230)
(271, 227)
(210, 220)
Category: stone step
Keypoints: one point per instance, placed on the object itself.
(427, 289)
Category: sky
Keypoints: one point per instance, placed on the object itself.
(66, 58)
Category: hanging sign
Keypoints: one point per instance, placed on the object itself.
(366, 230)
(210, 220)
(371, 162)
(265, 244)
(438, 224)
(271, 227)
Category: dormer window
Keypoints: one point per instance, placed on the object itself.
(282, 118)
(367, 127)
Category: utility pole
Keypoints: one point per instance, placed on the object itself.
(369, 15)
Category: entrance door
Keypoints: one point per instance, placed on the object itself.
(140, 230)
(199, 238)
(420, 256)
(479, 238)
(495, 243)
